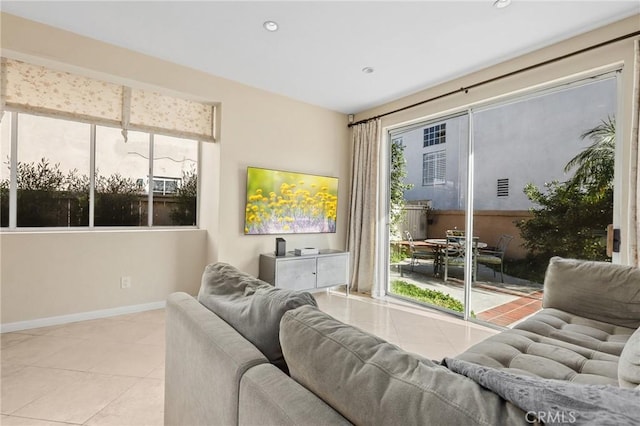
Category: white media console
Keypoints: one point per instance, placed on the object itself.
(329, 268)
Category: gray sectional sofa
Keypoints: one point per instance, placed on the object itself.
(269, 356)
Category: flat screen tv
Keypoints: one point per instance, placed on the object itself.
(280, 202)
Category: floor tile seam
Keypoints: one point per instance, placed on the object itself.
(149, 345)
(24, 405)
(112, 401)
(132, 320)
(46, 356)
(125, 376)
(46, 420)
(395, 327)
(46, 392)
(101, 359)
(105, 358)
(452, 344)
(97, 373)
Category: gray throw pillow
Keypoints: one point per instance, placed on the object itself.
(629, 364)
(251, 306)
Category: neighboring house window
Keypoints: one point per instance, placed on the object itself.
(435, 135)
(72, 174)
(434, 168)
(503, 187)
(165, 186)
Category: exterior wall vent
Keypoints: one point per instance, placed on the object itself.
(503, 187)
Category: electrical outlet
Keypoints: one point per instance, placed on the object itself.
(125, 282)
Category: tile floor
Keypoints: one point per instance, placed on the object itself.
(111, 371)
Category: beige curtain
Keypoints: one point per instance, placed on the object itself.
(364, 208)
(634, 217)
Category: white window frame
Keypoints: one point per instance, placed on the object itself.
(13, 116)
(438, 162)
(434, 135)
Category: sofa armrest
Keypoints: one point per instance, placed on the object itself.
(270, 397)
(205, 360)
(597, 290)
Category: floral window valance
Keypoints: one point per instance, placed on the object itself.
(38, 90)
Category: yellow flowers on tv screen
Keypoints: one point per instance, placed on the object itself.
(280, 202)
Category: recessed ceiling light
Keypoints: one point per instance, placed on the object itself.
(367, 70)
(270, 26)
(499, 4)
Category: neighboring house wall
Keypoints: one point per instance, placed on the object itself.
(48, 274)
(448, 195)
(488, 226)
(525, 142)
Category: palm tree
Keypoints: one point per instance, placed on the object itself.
(595, 164)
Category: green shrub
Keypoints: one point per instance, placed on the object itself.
(433, 297)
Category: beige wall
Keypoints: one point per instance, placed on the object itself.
(604, 58)
(60, 273)
(80, 271)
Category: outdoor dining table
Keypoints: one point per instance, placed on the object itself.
(441, 245)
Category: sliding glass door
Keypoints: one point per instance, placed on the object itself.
(480, 200)
(428, 187)
(542, 187)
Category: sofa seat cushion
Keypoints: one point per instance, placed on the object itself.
(556, 345)
(629, 365)
(583, 332)
(372, 382)
(251, 306)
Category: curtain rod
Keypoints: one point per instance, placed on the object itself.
(500, 77)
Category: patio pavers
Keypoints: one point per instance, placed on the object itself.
(513, 311)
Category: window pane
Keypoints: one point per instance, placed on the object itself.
(53, 172)
(5, 157)
(121, 178)
(175, 167)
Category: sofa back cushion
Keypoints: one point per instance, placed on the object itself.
(251, 306)
(629, 364)
(370, 381)
(598, 290)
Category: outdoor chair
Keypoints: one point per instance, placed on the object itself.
(454, 252)
(495, 255)
(416, 254)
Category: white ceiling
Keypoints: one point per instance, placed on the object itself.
(318, 53)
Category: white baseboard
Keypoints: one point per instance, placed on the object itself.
(82, 316)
